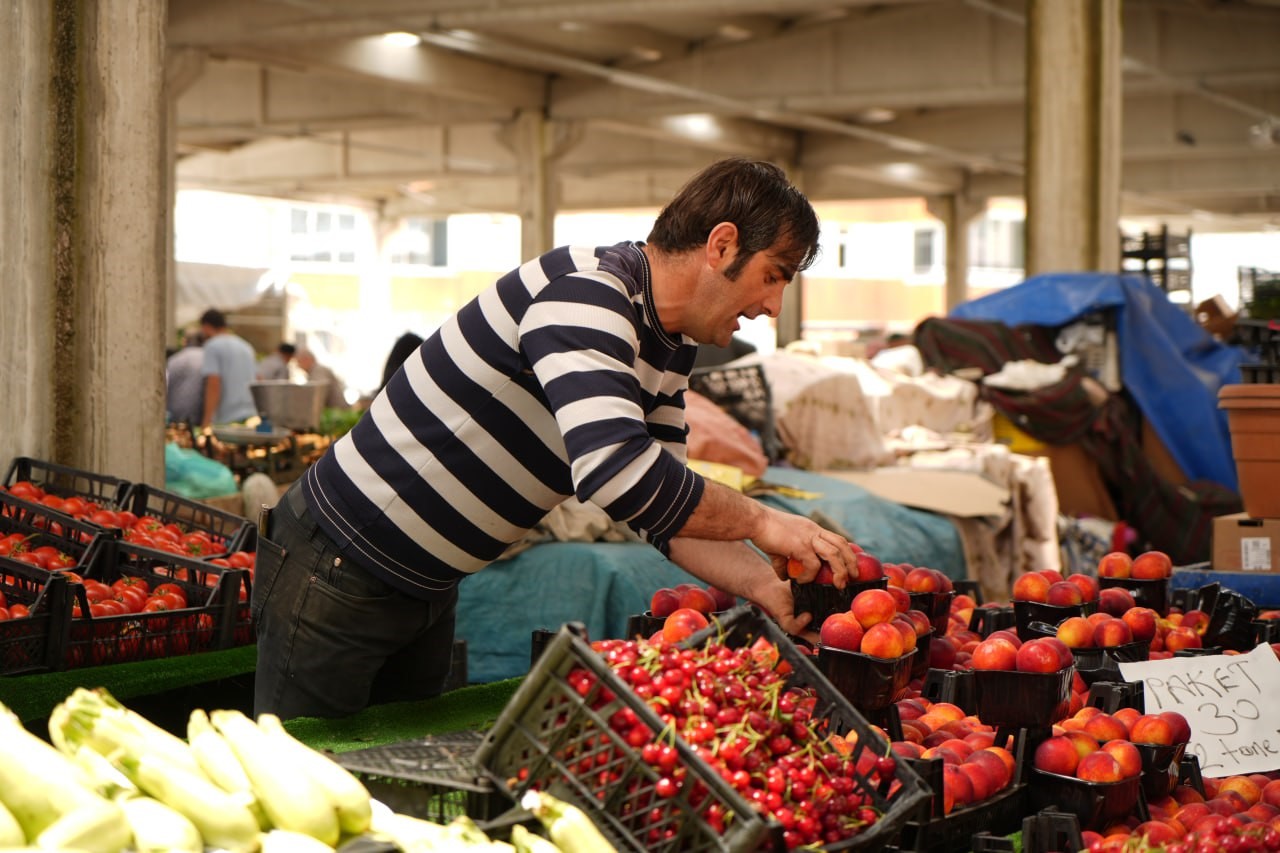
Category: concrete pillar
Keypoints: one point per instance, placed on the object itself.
(956, 211)
(790, 322)
(82, 225)
(538, 144)
(1073, 135)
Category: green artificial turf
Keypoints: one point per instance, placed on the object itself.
(32, 697)
(468, 708)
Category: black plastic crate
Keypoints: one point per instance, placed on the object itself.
(33, 643)
(1095, 804)
(953, 686)
(553, 726)
(65, 481)
(433, 778)
(1022, 699)
(215, 616)
(42, 526)
(228, 531)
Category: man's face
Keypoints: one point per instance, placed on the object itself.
(721, 301)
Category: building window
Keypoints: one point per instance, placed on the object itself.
(422, 242)
(924, 256)
(322, 236)
(997, 243)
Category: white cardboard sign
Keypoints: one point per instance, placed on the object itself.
(1231, 701)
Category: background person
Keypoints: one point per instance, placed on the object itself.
(183, 382)
(400, 350)
(275, 366)
(564, 379)
(228, 368)
(335, 397)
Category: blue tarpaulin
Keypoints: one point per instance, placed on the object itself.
(1169, 365)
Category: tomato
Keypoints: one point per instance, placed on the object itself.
(18, 611)
(53, 502)
(61, 560)
(104, 518)
(27, 491)
(112, 607)
(170, 600)
(130, 580)
(96, 592)
(174, 590)
(72, 577)
(132, 598)
(99, 609)
(220, 561)
(29, 558)
(242, 559)
(4, 613)
(74, 505)
(127, 519)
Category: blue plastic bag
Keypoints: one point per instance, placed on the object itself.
(193, 475)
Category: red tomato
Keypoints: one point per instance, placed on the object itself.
(220, 561)
(170, 600)
(112, 607)
(242, 559)
(74, 505)
(97, 592)
(28, 557)
(26, 490)
(130, 580)
(18, 611)
(4, 613)
(99, 609)
(127, 519)
(174, 590)
(72, 577)
(53, 502)
(132, 598)
(104, 518)
(60, 561)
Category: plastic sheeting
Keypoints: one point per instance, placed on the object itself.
(1171, 367)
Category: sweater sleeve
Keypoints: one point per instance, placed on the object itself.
(581, 339)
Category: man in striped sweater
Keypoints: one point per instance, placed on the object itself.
(565, 378)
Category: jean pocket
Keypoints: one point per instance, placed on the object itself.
(266, 569)
(353, 582)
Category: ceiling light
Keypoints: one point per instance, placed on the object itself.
(875, 115)
(401, 39)
(902, 171)
(695, 125)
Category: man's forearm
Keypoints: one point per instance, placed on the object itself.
(723, 513)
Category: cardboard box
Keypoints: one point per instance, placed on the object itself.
(1244, 544)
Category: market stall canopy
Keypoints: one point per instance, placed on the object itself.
(202, 286)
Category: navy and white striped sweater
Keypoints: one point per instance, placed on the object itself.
(556, 381)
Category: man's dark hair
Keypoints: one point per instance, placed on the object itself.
(287, 350)
(752, 194)
(215, 318)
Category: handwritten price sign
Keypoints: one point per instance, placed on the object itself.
(1230, 702)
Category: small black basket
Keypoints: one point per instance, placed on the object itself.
(1111, 696)
(433, 778)
(1027, 612)
(869, 683)
(822, 600)
(954, 686)
(1095, 804)
(1161, 765)
(1010, 699)
(1001, 813)
(1147, 592)
(744, 393)
(988, 619)
(43, 526)
(935, 605)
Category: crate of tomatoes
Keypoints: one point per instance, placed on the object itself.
(42, 537)
(139, 603)
(35, 607)
(731, 740)
(170, 522)
(62, 488)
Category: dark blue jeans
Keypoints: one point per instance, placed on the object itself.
(332, 638)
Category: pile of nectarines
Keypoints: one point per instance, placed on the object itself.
(878, 624)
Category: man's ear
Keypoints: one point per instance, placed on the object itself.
(722, 245)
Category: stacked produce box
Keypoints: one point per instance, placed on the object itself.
(97, 570)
